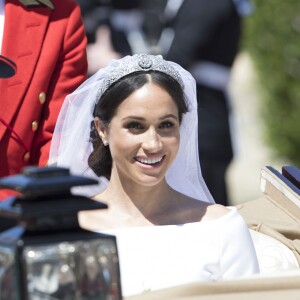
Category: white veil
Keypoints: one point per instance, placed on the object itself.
(71, 144)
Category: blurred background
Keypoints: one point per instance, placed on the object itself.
(264, 85)
(265, 90)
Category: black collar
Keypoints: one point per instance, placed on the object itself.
(29, 3)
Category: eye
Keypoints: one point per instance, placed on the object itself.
(166, 124)
(134, 126)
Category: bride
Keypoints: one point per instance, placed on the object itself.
(133, 125)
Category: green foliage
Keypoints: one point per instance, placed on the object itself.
(272, 37)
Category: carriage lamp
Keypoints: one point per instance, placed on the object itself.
(46, 255)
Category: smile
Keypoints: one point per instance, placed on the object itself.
(147, 161)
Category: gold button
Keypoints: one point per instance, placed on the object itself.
(26, 157)
(42, 97)
(34, 125)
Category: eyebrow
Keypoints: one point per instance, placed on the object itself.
(142, 119)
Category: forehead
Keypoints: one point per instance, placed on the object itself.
(149, 98)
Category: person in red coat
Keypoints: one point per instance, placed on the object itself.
(47, 41)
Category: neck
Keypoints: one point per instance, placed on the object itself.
(137, 201)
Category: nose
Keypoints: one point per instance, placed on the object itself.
(152, 141)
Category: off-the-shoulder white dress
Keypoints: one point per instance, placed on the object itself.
(158, 257)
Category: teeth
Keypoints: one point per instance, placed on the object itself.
(150, 161)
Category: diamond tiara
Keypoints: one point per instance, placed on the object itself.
(139, 63)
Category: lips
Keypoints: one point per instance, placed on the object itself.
(149, 161)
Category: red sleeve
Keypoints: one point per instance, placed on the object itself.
(69, 73)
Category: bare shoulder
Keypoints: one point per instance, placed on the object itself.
(215, 211)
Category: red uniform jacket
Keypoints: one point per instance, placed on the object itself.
(49, 48)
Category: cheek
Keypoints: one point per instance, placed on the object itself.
(122, 143)
(174, 144)
(171, 143)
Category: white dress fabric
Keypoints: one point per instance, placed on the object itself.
(158, 257)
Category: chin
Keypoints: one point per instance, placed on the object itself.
(150, 181)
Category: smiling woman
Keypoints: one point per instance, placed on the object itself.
(140, 113)
(144, 137)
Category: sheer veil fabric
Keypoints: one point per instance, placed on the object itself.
(71, 146)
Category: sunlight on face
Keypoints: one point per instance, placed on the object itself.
(144, 136)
